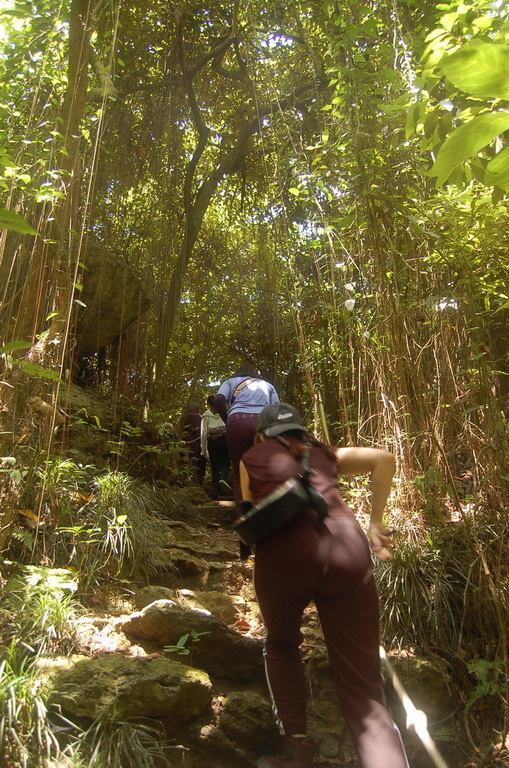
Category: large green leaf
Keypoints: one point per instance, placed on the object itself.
(15, 222)
(37, 371)
(497, 170)
(479, 68)
(466, 141)
(13, 345)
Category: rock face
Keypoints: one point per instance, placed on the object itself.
(113, 298)
(132, 687)
(242, 716)
(219, 650)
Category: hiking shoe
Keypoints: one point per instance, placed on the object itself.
(224, 487)
(293, 753)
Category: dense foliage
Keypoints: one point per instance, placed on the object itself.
(319, 188)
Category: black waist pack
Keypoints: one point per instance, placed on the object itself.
(280, 506)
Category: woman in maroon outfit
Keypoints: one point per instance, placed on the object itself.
(329, 563)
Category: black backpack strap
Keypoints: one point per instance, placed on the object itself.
(305, 471)
(317, 500)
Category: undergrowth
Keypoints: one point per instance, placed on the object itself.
(92, 529)
(445, 594)
(39, 619)
(104, 526)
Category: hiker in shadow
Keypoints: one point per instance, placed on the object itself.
(190, 430)
(215, 449)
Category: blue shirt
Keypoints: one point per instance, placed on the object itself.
(252, 398)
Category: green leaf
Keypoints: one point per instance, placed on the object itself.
(479, 68)
(16, 476)
(16, 14)
(497, 170)
(11, 345)
(466, 141)
(37, 371)
(15, 222)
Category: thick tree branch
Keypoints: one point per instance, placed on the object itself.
(195, 210)
(214, 53)
(231, 161)
(240, 74)
(201, 127)
(106, 88)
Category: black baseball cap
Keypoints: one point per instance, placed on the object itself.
(278, 418)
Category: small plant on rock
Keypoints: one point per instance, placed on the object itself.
(180, 648)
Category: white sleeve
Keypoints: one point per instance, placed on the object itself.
(204, 433)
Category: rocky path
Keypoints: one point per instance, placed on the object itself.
(185, 651)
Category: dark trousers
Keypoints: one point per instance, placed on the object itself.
(219, 457)
(332, 566)
(199, 465)
(240, 434)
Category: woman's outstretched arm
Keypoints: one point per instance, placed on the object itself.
(380, 465)
(244, 483)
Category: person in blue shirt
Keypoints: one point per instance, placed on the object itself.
(238, 401)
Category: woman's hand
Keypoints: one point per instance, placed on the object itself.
(380, 541)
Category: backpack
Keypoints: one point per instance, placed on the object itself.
(216, 433)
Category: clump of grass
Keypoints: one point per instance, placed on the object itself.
(446, 593)
(120, 743)
(62, 480)
(131, 533)
(39, 619)
(41, 600)
(27, 735)
(414, 591)
(113, 530)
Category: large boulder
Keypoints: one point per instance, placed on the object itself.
(122, 687)
(222, 606)
(248, 721)
(113, 297)
(212, 645)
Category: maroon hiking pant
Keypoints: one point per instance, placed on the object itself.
(240, 434)
(330, 565)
